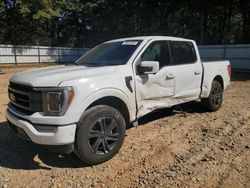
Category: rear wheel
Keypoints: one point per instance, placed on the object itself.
(100, 134)
(214, 101)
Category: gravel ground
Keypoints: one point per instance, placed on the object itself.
(179, 147)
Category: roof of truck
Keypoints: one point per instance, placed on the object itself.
(150, 38)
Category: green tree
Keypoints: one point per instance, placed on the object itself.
(85, 23)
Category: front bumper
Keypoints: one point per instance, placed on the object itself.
(60, 135)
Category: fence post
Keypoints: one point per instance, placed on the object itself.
(14, 48)
(224, 52)
(58, 52)
(39, 60)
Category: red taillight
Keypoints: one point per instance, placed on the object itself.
(229, 69)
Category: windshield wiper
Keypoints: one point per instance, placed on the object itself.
(92, 64)
(97, 64)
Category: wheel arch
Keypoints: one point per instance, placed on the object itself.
(112, 97)
(220, 80)
(114, 102)
(208, 81)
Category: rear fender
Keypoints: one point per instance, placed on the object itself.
(207, 82)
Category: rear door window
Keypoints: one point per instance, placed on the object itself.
(182, 52)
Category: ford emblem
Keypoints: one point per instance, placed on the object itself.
(12, 97)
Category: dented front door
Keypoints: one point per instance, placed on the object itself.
(154, 91)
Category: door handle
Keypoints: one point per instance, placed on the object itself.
(170, 76)
(197, 72)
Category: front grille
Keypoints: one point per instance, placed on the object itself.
(25, 98)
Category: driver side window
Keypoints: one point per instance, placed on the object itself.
(157, 51)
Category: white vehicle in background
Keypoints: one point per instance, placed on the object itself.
(86, 107)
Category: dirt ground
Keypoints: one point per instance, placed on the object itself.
(179, 147)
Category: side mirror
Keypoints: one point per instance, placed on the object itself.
(148, 67)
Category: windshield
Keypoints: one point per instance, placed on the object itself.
(113, 53)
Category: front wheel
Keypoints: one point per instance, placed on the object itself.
(214, 100)
(100, 134)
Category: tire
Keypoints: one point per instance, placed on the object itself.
(100, 134)
(214, 101)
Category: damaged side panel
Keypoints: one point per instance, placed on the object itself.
(155, 86)
(172, 85)
(153, 92)
(148, 106)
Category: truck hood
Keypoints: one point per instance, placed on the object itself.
(53, 76)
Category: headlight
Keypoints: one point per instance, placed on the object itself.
(57, 100)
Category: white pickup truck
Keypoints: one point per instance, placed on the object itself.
(86, 107)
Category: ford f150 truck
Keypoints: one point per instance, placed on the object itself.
(85, 107)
